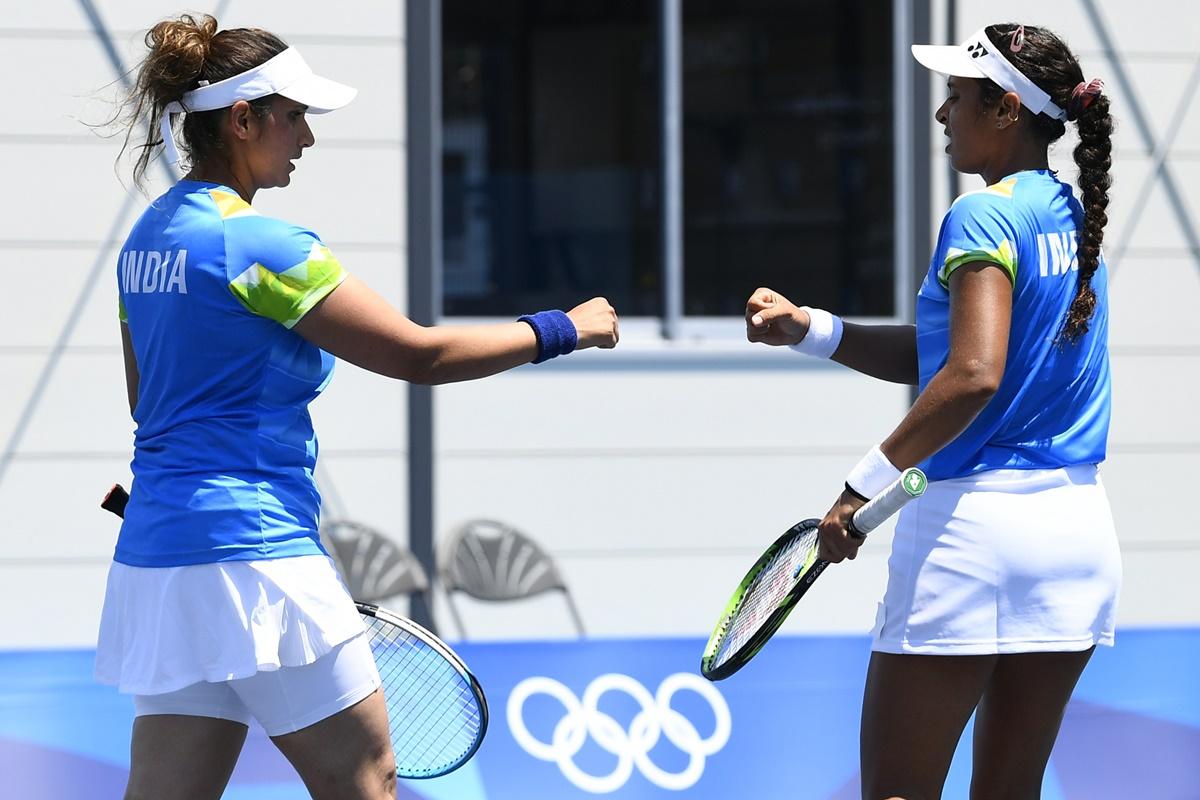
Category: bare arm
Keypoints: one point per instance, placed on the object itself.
(887, 352)
(357, 325)
(132, 376)
(980, 317)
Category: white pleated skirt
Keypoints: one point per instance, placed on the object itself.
(1004, 561)
(165, 628)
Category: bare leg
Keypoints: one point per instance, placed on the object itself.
(182, 757)
(914, 711)
(1018, 721)
(347, 756)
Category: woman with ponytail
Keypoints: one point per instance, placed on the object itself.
(1004, 576)
(221, 604)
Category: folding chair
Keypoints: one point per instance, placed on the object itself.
(492, 561)
(373, 566)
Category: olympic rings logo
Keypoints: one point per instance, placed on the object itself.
(632, 748)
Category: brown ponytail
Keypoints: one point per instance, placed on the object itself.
(1049, 63)
(183, 52)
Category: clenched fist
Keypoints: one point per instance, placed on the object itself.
(772, 319)
(596, 324)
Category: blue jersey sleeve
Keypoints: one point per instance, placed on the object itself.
(275, 269)
(978, 227)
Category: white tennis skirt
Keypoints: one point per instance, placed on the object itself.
(1004, 561)
(164, 628)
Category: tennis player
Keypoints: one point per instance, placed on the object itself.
(1004, 576)
(221, 604)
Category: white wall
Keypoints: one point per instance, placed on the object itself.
(654, 472)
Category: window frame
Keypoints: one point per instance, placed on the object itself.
(910, 171)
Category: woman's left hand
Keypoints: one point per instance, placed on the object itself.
(836, 542)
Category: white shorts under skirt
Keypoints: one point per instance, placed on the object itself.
(165, 628)
(284, 700)
(1005, 561)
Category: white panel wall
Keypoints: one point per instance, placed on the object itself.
(652, 473)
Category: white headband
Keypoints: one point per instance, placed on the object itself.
(977, 57)
(286, 74)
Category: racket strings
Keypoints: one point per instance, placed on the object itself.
(434, 717)
(764, 594)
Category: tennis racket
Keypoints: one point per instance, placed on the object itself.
(437, 713)
(782, 575)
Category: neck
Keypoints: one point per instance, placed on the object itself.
(222, 173)
(1023, 154)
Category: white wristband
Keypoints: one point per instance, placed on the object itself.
(824, 334)
(872, 474)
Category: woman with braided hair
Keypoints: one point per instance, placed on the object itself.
(1004, 576)
(222, 606)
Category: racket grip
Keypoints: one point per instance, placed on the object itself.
(115, 500)
(909, 486)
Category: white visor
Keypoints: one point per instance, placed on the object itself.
(286, 74)
(977, 57)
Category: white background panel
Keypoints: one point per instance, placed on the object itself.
(643, 503)
(1154, 400)
(371, 489)
(21, 373)
(71, 90)
(364, 19)
(50, 176)
(57, 276)
(1146, 513)
(361, 19)
(84, 408)
(1134, 27)
(361, 411)
(1159, 588)
(76, 587)
(692, 410)
(1153, 302)
(1157, 227)
(52, 509)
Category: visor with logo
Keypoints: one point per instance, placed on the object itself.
(977, 57)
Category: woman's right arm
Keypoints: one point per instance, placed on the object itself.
(887, 352)
(357, 325)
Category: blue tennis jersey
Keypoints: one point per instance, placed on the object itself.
(224, 451)
(1053, 405)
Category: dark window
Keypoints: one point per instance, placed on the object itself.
(550, 155)
(788, 154)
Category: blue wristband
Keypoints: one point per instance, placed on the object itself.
(556, 334)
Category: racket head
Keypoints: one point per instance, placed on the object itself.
(437, 712)
(763, 600)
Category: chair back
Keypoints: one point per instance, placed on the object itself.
(373, 566)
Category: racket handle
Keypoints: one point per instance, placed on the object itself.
(115, 500)
(909, 486)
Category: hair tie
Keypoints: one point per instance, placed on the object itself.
(1018, 39)
(1083, 96)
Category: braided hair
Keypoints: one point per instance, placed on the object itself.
(1047, 61)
